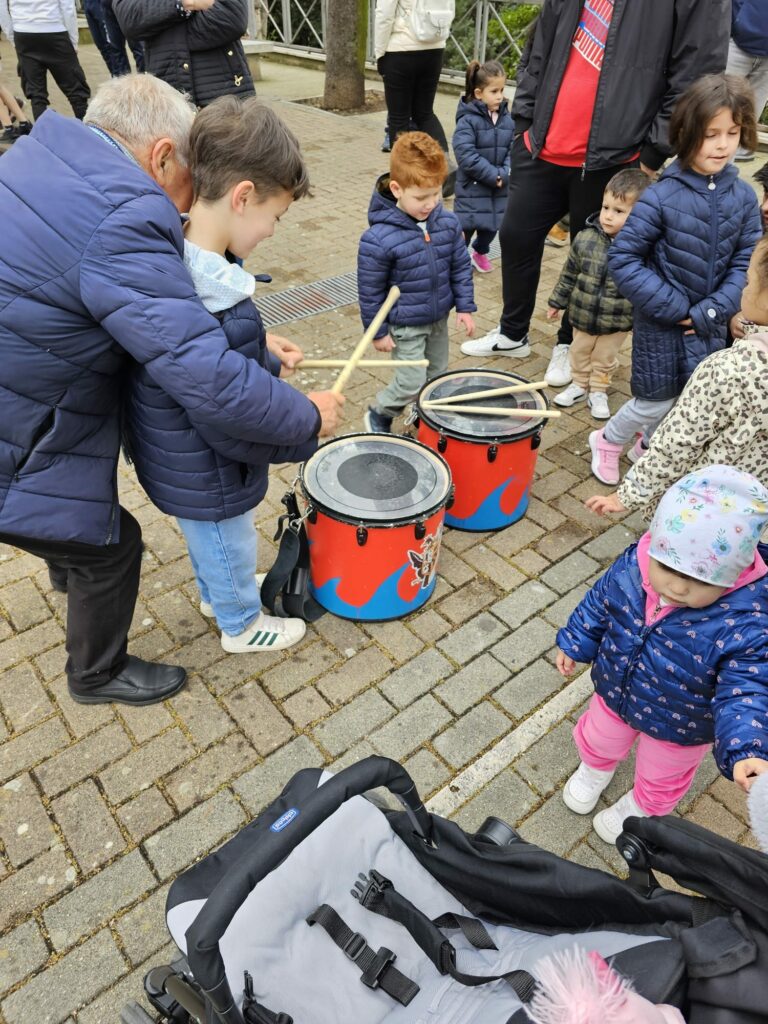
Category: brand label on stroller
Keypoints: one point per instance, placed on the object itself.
(284, 820)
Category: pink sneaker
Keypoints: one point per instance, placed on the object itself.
(481, 262)
(605, 458)
(638, 449)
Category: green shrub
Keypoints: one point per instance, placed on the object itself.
(516, 21)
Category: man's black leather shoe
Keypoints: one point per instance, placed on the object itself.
(140, 683)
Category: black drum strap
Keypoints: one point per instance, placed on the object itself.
(285, 590)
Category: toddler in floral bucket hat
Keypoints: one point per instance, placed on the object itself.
(677, 635)
(708, 524)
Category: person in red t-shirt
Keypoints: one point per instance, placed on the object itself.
(594, 96)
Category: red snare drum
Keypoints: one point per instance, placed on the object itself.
(376, 505)
(492, 458)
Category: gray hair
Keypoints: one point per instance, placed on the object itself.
(142, 109)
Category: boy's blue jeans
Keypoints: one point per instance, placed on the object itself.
(223, 556)
(428, 341)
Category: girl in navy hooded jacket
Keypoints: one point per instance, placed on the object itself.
(681, 259)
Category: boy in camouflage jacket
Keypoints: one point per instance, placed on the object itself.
(601, 317)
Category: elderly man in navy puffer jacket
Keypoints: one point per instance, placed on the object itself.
(91, 274)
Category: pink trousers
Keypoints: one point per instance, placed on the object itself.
(663, 771)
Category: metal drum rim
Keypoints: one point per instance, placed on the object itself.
(340, 517)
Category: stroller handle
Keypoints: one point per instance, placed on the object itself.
(205, 932)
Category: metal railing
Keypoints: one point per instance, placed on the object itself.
(478, 31)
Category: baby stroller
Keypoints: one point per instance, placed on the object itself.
(327, 909)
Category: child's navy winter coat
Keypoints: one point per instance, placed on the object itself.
(683, 253)
(482, 150)
(431, 269)
(689, 677)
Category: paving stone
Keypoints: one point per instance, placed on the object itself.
(472, 638)
(468, 601)
(460, 541)
(200, 653)
(569, 572)
(145, 814)
(553, 828)
(559, 612)
(22, 951)
(480, 677)
(259, 786)
(585, 855)
(354, 675)
(711, 814)
(28, 748)
(406, 684)
(410, 728)
(342, 634)
(51, 663)
(453, 569)
(153, 646)
(198, 831)
(553, 485)
(24, 605)
(81, 719)
(259, 719)
(144, 723)
(732, 798)
(307, 664)
(305, 707)
(531, 562)
(576, 511)
(34, 884)
(427, 771)
(525, 645)
(550, 761)
(165, 542)
(607, 852)
(95, 901)
(544, 515)
(358, 752)
(25, 828)
(88, 826)
(206, 773)
(30, 642)
(143, 766)
(471, 734)
(707, 774)
(75, 979)
(356, 719)
(232, 671)
(523, 603)
(609, 545)
(204, 718)
(515, 537)
(492, 565)
(562, 541)
(506, 797)
(529, 688)
(396, 639)
(429, 625)
(130, 988)
(143, 930)
(179, 616)
(23, 698)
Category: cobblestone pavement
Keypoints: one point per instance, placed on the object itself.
(101, 807)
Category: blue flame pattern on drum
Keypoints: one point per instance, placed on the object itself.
(385, 604)
(490, 515)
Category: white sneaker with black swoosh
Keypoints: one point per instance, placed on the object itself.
(497, 344)
(265, 633)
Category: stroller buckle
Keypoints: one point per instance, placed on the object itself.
(354, 946)
(372, 976)
(369, 888)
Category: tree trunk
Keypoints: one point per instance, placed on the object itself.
(345, 38)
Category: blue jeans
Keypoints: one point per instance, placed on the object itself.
(223, 556)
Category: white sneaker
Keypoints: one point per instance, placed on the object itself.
(598, 405)
(206, 609)
(559, 370)
(497, 344)
(265, 633)
(610, 823)
(572, 394)
(582, 791)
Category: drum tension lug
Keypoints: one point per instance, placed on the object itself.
(535, 440)
(420, 531)
(442, 443)
(451, 498)
(362, 535)
(493, 451)
(311, 514)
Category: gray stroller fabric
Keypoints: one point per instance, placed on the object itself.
(297, 969)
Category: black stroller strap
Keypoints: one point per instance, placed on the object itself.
(474, 931)
(380, 896)
(284, 589)
(376, 968)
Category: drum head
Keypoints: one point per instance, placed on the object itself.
(464, 382)
(377, 478)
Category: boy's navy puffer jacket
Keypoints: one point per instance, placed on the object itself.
(481, 149)
(749, 26)
(432, 271)
(683, 252)
(195, 471)
(693, 676)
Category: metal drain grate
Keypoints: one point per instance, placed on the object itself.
(318, 297)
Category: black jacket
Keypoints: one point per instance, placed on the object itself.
(200, 54)
(654, 50)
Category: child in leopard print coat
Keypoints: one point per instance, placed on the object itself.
(720, 418)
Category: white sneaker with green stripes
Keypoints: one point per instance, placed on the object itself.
(266, 633)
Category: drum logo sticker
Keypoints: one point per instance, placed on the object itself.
(424, 561)
(284, 820)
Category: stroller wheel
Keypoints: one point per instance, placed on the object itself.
(497, 833)
(132, 1013)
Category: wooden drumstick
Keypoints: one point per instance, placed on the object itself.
(485, 410)
(513, 389)
(388, 364)
(362, 345)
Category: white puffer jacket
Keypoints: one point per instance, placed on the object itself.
(38, 16)
(393, 31)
